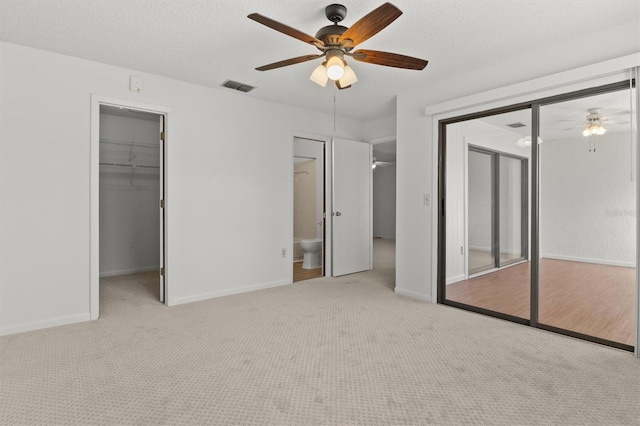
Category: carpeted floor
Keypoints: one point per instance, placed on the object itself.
(326, 351)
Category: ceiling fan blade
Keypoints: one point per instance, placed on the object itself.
(285, 29)
(370, 25)
(389, 59)
(340, 87)
(290, 61)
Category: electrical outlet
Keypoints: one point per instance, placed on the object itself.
(283, 252)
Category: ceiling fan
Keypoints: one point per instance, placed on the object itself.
(595, 121)
(336, 41)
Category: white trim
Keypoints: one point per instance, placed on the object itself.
(370, 208)
(587, 260)
(384, 237)
(412, 294)
(636, 126)
(129, 271)
(383, 139)
(94, 187)
(456, 278)
(525, 91)
(38, 325)
(229, 292)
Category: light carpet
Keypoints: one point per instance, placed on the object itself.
(344, 351)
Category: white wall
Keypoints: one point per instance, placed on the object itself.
(382, 129)
(588, 200)
(528, 75)
(129, 200)
(384, 201)
(229, 181)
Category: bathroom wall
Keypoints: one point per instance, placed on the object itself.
(310, 149)
(304, 199)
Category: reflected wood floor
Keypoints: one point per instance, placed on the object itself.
(300, 274)
(587, 298)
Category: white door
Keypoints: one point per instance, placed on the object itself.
(162, 201)
(351, 216)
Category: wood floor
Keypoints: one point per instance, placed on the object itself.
(300, 274)
(587, 298)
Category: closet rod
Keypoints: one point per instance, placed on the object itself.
(130, 166)
(129, 143)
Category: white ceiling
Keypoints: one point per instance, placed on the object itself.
(209, 41)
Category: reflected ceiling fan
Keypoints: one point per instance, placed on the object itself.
(336, 41)
(381, 163)
(595, 121)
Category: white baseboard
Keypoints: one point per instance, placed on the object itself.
(412, 294)
(385, 237)
(588, 260)
(39, 325)
(129, 271)
(229, 292)
(456, 278)
(478, 248)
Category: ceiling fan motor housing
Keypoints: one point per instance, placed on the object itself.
(335, 12)
(330, 35)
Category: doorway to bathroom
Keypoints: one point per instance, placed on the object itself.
(308, 209)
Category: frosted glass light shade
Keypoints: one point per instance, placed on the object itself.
(348, 78)
(319, 75)
(526, 142)
(594, 130)
(335, 68)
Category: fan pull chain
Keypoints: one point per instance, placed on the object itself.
(334, 109)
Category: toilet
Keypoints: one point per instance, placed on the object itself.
(311, 248)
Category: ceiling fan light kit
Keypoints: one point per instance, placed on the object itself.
(594, 123)
(335, 41)
(594, 130)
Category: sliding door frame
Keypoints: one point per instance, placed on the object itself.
(534, 239)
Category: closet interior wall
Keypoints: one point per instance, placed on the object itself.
(129, 193)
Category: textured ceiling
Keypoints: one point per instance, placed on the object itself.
(209, 41)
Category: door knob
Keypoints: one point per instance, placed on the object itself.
(338, 214)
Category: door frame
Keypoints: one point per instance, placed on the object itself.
(94, 245)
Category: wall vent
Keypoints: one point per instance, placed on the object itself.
(230, 84)
(516, 125)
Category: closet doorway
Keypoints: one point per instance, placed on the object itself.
(128, 203)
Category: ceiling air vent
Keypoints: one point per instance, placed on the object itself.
(230, 84)
(516, 125)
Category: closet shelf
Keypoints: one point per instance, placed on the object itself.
(130, 166)
(130, 143)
